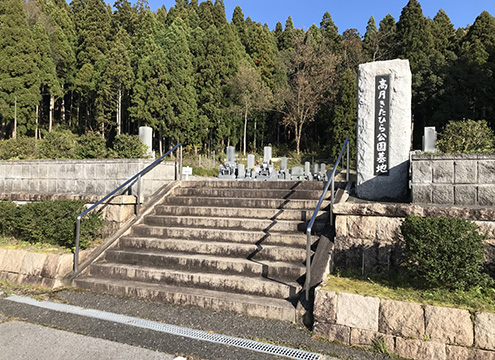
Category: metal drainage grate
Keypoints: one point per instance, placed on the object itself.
(170, 329)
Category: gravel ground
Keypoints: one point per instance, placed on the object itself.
(271, 331)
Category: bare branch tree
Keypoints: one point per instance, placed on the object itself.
(311, 75)
(250, 94)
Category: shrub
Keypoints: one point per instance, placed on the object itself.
(466, 136)
(128, 147)
(59, 145)
(7, 217)
(53, 222)
(19, 148)
(443, 252)
(91, 147)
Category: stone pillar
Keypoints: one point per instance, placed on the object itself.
(383, 130)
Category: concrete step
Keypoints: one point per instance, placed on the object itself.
(292, 185)
(253, 213)
(238, 250)
(250, 193)
(247, 305)
(245, 203)
(217, 282)
(230, 223)
(297, 240)
(276, 270)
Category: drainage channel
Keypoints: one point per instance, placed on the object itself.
(171, 329)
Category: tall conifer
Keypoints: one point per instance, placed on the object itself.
(387, 38)
(19, 73)
(413, 32)
(181, 112)
(370, 41)
(344, 120)
(330, 34)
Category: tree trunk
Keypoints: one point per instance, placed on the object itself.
(50, 115)
(297, 134)
(245, 129)
(37, 121)
(119, 117)
(14, 128)
(62, 107)
(254, 142)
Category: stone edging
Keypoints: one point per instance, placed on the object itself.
(477, 213)
(438, 156)
(411, 330)
(31, 268)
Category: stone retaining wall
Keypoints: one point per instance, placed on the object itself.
(81, 177)
(463, 179)
(411, 330)
(367, 235)
(32, 268)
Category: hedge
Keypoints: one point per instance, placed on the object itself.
(49, 222)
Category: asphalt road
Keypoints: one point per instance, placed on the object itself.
(271, 331)
(21, 340)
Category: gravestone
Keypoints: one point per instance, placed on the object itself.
(323, 170)
(383, 130)
(241, 171)
(230, 155)
(146, 137)
(228, 170)
(307, 171)
(283, 163)
(266, 171)
(284, 173)
(250, 166)
(430, 139)
(297, 173)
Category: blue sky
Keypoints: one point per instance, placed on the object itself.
(345, 13)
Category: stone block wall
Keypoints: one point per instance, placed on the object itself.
(368, 236)
(463, 179)
(411, 330)
(81, 177)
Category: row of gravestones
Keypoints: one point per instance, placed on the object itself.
(231, 170)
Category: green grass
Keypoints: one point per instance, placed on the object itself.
(200, 171)
(12, 243)
(476, 299)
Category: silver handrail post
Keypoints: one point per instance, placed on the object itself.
(347, 175)
(330, 182)
(332, 199)
(138, 208)
(308, 263)
(180, 164)
(126, 184)
(76, 250)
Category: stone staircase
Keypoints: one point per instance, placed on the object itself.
(224, 245)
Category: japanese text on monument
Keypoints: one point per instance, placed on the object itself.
(382, 124)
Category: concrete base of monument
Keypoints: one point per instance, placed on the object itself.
(391, 187)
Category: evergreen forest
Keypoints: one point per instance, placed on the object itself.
(197, 78)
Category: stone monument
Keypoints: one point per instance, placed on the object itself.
(383, 130)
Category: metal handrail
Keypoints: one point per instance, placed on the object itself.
(125, 185)
(330, 182)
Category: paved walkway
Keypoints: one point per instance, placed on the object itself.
(20, 340)
(151, 342)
